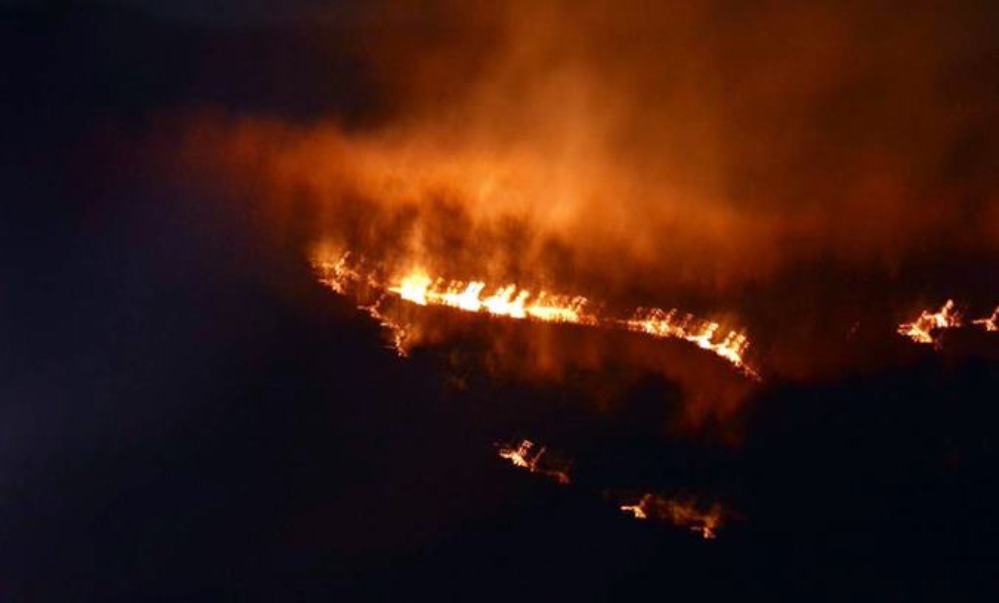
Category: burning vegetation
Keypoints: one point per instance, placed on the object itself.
(553, 180)
(989, 323)
(526, 455)
(351, 277)
(658, 323)
(923, 329)
(927, 327)
(506, 145)
(679, 512)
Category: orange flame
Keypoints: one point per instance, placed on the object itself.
(682, 513)
(398, 331)
(339, 274)
(510, 301)
(659, 323)
(923, 328)
(679, 512)
(526, 456)
(991, 323)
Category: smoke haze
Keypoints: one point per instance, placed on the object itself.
(715, 155)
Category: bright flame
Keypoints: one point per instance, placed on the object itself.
(922, 329)
(414, 288)
(527, 456)
(683, 513)
(637, 510)
(991, 323)
(659, 323)
(338, 275)
(511, 301)
(507, 301)
(398, 331)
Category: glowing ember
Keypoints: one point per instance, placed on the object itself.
(991, 323)
(528, 456)
(659, 323)
(922, 329)
(683, 513)
(511, 301)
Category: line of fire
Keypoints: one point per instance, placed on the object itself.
(927, 327)
(348, 275)
(682, 512)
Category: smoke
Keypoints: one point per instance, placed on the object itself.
(632, 151)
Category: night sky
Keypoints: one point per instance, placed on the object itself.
(187, 414)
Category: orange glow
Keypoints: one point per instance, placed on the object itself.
(527, 456)
(339, 274)
(509, 300)
(637, 510)
(922, 329)
(418, 287)
(398, 332)
(659, 323)
(683, 513)
(991, 323)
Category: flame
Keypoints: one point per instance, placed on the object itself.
(683, 513)
(659, 323)
(417, 286)
(679, 512)
(338, 275)
(399, 333)
(991, 323)
(925, 328)
(637, 510)
(922, 329)
(527, 456)
(509, 301)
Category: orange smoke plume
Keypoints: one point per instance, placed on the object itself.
(698, 161)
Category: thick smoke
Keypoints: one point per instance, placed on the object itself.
(691, 153)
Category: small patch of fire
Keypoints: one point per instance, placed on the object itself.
(527, 455)
(671, 324)
(509, 301)
(679, 512)
(990, 323)
(924, 328)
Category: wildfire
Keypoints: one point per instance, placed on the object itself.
(398, 331)
(923, 328)
(991, 323)
(676, 511)
(659, 323)
(511, 301)
(526, 455)
(339, 274)
(683, 513)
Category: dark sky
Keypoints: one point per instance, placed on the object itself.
(185, 414)
(218, 12)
